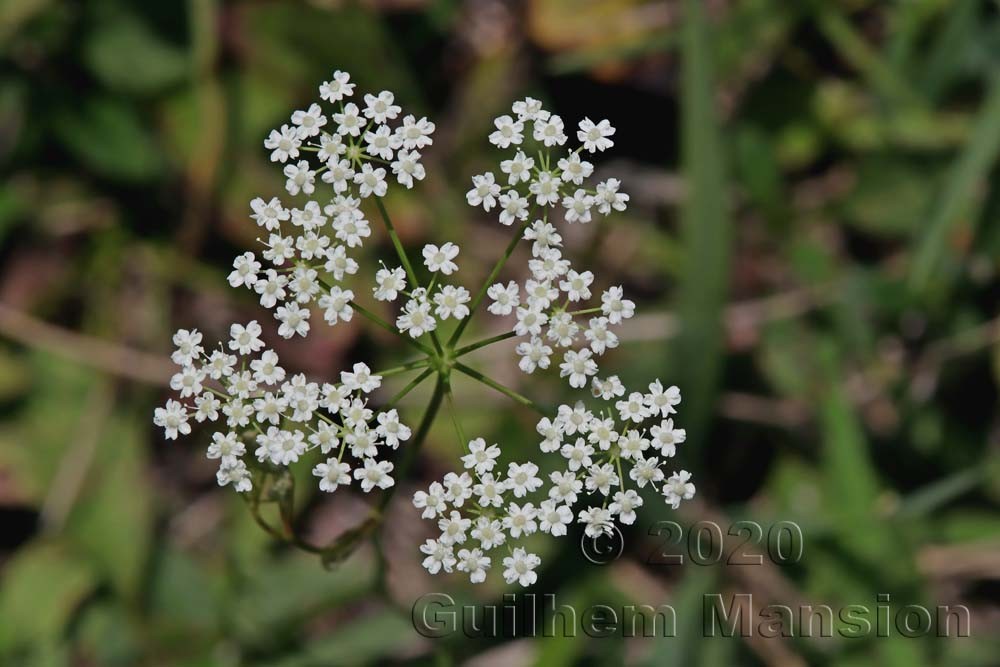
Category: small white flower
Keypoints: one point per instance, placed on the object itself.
(381, 108)
(520, 567)
(245, 268)
(415, 134)
(553, 517)
(678, 488)
(336, 305)
(390, 283)
(646, 471)
(549, 131)
(453, 528)
(441, 259)
(662, 400)
(309, 122)
(489, 532)
(382, 143)
(225, 447)
(349, 121)
(451, 302)
(523, 478)
(545, 188)
(534, 354)
(485, 191)
(601, 478)
(666, 438)
(245, 339)
(505, 298)
(609, 198)
(457, 488)
(440, 556)
(574, 170)
(360, 378)
(375, 473)
(283, 144)
(338, 263)
(173, 419)
(481, 457)
(578, 454)
(294, 320)
(416, 319)
(625, 504)
(332, 474)
(595, 137)
(578, 206)
(391, 429)
(597, 520)
(188, 344)
(271, 288)
(518, 168)
(512, 207)
(577, 285)
(270, 214)
(520, 520)
(407, 167)
(432, 501)
(565, 487)
(337, 88)
(237, 475)
(300, 178)
(489, 491)
(633, 408)
(371, 181)
(474, 563)
(509, 131)
(578, 366)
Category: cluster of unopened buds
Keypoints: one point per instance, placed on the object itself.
(343, 429)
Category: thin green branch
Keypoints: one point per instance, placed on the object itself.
(506, 391)
(483, 343)
(489, 281)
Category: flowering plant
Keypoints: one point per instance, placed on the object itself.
(306, 266)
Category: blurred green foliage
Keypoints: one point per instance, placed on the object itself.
(816, 207)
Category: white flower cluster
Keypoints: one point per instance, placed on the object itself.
(482, 509)
(425, 306)
(308, 248)
(534, 185)
(246, 387)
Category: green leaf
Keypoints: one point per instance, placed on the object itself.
(954, 205)
(107, 135)
(42, 586)
(126, 56)
(699, 350)
(112, 521)
(362, 642)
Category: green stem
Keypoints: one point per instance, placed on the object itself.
(506, 391)
(411, 448)
(454, 418)
(409, 366)
(408, 388)
(489, 281)
(375, 319)
(397, 244)
(483, 343)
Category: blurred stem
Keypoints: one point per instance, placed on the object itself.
(396, 243)
(506, 391)
(408, 388)
(454, 417)
(404, 259)
(489, 281)
(483, 343)
(395, 370)
(410, 451)
(375, 319)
